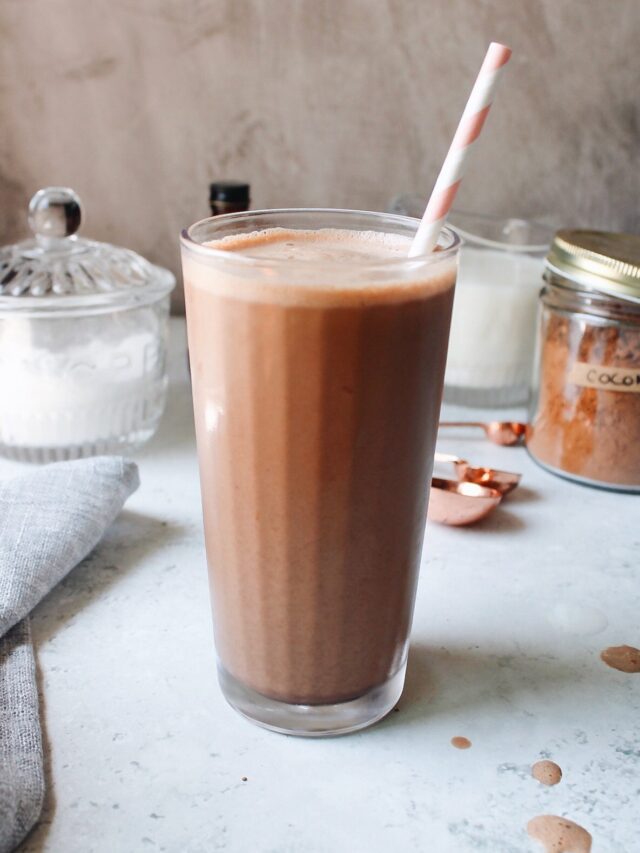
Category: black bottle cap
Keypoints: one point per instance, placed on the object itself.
(235, 192)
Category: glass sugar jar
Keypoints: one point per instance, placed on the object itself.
(83, 340)
(584, 421)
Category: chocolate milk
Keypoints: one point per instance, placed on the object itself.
(317, 389)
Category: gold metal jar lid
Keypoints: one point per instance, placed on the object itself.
(602, 260)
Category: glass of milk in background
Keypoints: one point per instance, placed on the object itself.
(493, 327)
(492, 340)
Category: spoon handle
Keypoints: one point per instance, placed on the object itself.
(447, 457)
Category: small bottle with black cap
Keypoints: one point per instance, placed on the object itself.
(228, 197)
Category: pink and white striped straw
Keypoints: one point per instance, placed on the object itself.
(453, 168)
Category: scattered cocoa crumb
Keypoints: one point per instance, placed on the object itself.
(546, 772)
(622, 658)
(559, 834)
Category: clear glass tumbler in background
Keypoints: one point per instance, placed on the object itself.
(493, 328)
(494, 322)
(317, 380)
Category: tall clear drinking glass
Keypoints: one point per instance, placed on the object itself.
(317, 354)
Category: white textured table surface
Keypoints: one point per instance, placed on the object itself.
(144, 754)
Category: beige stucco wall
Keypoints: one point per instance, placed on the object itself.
(137, 104)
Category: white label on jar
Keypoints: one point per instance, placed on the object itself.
(606, 378)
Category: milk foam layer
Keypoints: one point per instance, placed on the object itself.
(320, 267)
(327, 245)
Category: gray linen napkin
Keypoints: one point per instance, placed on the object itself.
(50, 519)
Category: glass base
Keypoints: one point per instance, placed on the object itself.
(312, 720)
(584, 481)
(120, 446)
(508, 395)
(112, 427)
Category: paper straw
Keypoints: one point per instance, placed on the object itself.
(453, 168)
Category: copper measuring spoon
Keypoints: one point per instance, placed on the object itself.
(457, 504)
(505, 433)
(502, 481)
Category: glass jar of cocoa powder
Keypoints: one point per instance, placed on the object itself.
(585, 409)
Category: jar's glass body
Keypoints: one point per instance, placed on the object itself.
(585, 407)
(76, 383)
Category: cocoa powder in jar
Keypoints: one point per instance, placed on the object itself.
(586, 418)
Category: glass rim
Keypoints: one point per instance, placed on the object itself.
(465, 222)
(472, 238)
(451, 245)
(583, 287)
(78, 304)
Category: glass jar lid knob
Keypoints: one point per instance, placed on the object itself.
(55, 213)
